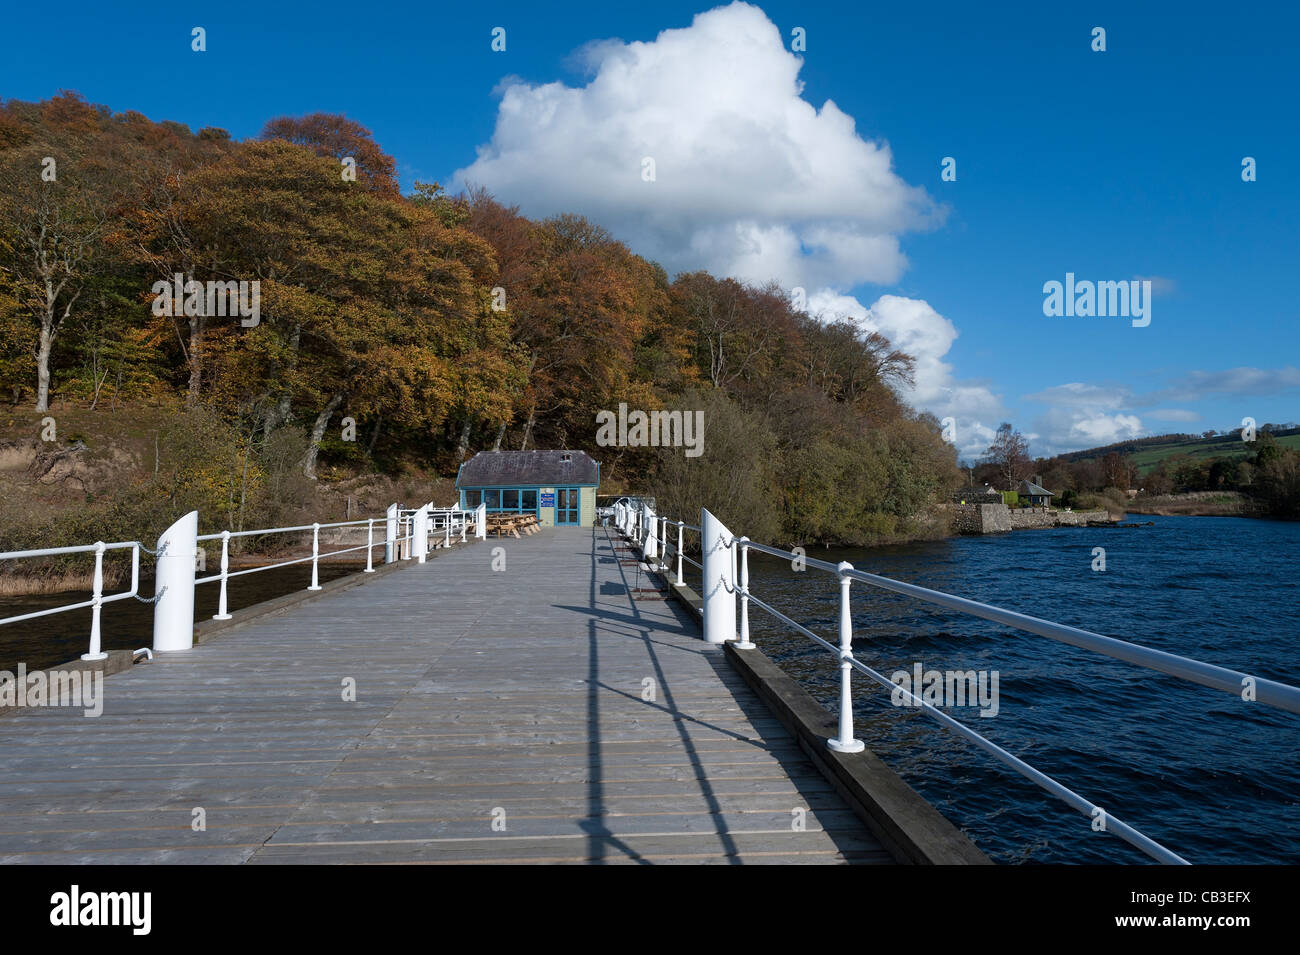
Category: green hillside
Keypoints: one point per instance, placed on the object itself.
(1228, 446)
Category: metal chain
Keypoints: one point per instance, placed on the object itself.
(151, 600)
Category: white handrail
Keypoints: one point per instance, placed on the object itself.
(173, 617)
(448, 518)
(97, 599)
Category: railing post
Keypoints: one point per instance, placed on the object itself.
(718, 588)
(744, 643)
(95, 653)
(390, 534)
(464, 524)
(221, 613)
(315, 556)
(173, 614)
(370, 545)
(446, 530)
(480, 522)
(845, 743)
(681, 581)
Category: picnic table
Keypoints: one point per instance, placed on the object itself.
(503, 524)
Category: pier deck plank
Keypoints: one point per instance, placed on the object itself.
(499, 717)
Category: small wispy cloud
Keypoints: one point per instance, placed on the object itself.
(1160, 285)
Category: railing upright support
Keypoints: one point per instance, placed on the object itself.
(315, 556)
(221, 613)
(845, 743)
(681, 581)
(173, 614)
(95, 652)
(744, 643)
(370, 546)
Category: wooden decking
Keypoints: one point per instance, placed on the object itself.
(482, 696)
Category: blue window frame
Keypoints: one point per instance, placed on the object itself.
(502, 500)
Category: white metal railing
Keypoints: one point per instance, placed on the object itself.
(725, 570)
(97, 599)
(412, 536)
(408, 533)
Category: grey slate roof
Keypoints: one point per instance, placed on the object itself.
(1029, 487)
(521, 468)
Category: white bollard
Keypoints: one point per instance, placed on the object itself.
(650, 546)
(480, 522)
(420, 533)
(173, 614)
(719, 581)
(390, 534)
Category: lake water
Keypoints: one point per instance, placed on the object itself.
(1212, 777)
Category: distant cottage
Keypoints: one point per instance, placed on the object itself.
(558, 487)
(1036, 496)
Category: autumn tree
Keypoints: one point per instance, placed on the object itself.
(54, 214)
(339, 138)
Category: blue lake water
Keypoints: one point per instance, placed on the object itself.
(1212, 777)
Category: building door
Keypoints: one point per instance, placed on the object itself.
(566, 505)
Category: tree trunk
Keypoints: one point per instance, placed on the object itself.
(195, 350)
(196, 362)
(528, 428)
(462, 448)
(501, 433)
(374, 435)
(318, 432)
(43, 351)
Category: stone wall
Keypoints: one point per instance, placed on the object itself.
(997, 518)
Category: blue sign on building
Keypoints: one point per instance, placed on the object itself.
(547, 499)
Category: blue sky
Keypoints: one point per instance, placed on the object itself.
(1112, 165)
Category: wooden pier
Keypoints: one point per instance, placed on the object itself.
(544, 713)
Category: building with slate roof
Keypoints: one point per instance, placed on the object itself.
(1036, 496)
(559, 487)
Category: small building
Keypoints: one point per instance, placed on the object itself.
(559, 487)
(1035, 495)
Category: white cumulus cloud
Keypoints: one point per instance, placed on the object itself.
(750, 179)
